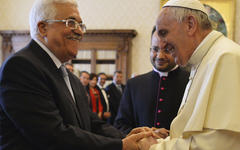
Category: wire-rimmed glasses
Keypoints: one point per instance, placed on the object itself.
(71, 23)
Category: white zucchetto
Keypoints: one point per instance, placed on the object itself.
(191, 4)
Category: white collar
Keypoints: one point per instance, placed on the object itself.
(203, 48)
(165, 74)
(56, 61)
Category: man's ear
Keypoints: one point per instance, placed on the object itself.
(192, 24)
(42, 28)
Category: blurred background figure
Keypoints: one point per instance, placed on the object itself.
(115, 90)
(102, 77)
(95, 98)
(84, 78)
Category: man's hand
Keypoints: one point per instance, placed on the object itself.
(161, 132)
(106, 115)
(131, 141)
(146, 143)
(100, 115)
(139, 130)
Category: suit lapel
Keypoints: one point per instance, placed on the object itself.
(116, 90)
(54, 71)
(79, 103)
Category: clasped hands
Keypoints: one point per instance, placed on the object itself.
(143, 137)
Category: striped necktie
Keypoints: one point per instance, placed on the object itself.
(66, 79)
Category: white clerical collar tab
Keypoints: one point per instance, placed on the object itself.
(191, 4)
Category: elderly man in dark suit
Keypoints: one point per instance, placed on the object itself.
(153, 99)
(114, 91)
(42, 105)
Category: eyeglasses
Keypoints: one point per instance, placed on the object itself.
(72, 24)
(168, 49)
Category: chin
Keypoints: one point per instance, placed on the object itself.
(162, 69)
(73, 54)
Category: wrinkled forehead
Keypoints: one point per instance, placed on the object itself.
(67, 10)
(165, 16)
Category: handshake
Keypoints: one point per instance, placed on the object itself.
(143, 137)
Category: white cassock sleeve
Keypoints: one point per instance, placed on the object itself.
(205, 140)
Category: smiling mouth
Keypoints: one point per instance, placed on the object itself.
(161, 62)
(75, 38)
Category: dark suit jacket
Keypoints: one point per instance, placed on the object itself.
(102, 99)
(139, 101)
(114, 100)
(37, 111)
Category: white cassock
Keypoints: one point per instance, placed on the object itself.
(209, 116)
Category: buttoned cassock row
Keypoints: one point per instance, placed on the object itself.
(149, 101)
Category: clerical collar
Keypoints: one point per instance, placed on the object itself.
(203, 48)
(165, 74)
(56, 61)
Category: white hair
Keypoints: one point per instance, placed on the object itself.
(179, 13)
(42, 10)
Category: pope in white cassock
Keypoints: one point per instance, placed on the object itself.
(208, 118)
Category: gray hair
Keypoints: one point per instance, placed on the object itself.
(42, 10)
(179, 13)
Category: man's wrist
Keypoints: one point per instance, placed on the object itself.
(123, 144)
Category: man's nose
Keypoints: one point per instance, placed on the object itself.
(161, 53)
(79, 31)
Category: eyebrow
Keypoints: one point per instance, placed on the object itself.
(162, 32)
(71, 17)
